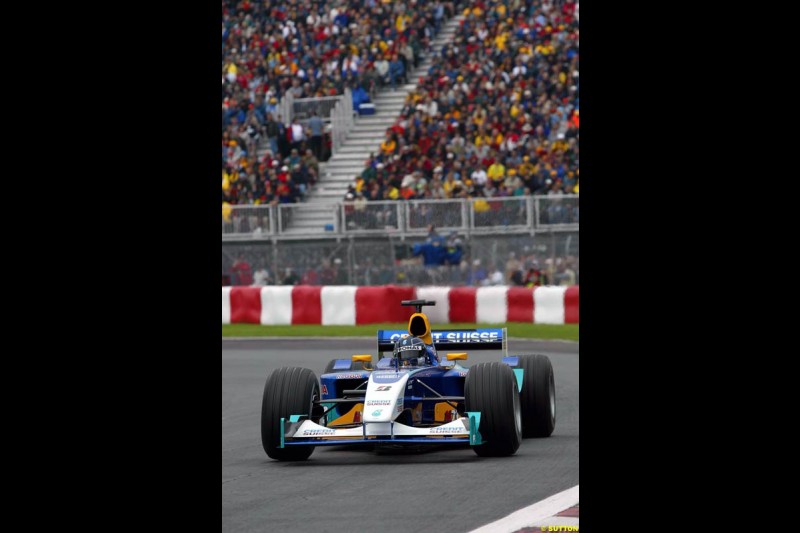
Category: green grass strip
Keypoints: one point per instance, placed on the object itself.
(568, 332)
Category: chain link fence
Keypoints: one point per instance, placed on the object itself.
(496, 259)
(446, 215)
(557, 210)
(372, 217)
(504, 212)
(244, 220)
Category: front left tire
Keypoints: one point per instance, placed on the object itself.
(491, 388)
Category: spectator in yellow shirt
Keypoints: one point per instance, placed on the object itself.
(389, 146)
(500, 41)
(401, 23)
(483, 139)
(450, 184)
(497, 137)
(496, 172)
(526, 167)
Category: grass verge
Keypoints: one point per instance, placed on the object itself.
(567, 332)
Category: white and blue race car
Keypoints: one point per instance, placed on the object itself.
(412, 396)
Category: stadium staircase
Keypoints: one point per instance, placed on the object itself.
(364, 138)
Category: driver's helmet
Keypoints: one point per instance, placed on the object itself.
(409, 350)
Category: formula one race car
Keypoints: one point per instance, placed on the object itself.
(412, 396)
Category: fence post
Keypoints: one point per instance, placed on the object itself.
(342, 124)
(289, 108)
(273, 227)
(275, 261)
(348, 107)
(400, 218)
(351, 259)
(529, 213)
(336, 225)
(335, 130)
(471, 225)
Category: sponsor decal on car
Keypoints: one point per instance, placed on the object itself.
(378, 402)
(467, 336)
(349, 376)
(383, 388)
(447, 429)
(317, 432)
(386, 377)
(377, 412)
(409, 347)
(461, 336)
(324, 389)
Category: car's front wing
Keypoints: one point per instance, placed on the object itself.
(299, 432)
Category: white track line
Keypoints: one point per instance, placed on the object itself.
(528, 516)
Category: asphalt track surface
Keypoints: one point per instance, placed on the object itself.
(340, 489)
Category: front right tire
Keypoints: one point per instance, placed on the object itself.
(538, 396)
(288, 391)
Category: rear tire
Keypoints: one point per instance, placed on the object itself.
(491, 388)
(538, 396)
(288, 391)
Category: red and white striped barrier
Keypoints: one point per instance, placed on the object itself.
(350, 305)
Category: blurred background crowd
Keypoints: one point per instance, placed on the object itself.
(311, 49)
(497, 114)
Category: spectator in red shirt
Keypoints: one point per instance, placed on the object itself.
(242, 273)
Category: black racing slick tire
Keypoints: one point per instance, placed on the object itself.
(538, 396)
(288, 391)
(354, 365)
(491, 388)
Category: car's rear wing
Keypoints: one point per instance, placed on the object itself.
(452, 339)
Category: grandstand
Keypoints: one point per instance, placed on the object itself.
(475, 129)
(309, 55)
(496, 115)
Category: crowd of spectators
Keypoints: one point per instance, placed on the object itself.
(310, 48)
(496, 116)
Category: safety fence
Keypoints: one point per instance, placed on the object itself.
(334, 110)
(408, 217)
(479, 260)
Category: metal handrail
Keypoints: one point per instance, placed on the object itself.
(524, 214)
(341, 120)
